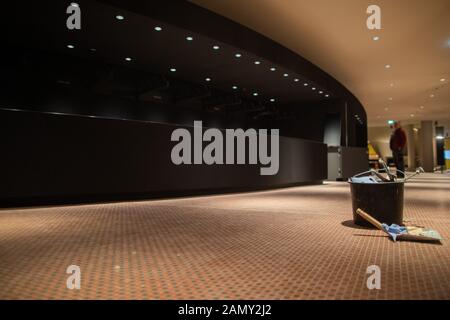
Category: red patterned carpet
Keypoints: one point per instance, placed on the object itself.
(294, 243)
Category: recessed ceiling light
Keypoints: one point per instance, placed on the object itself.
(158, 28)
(255, 94)
(273, 69)
(305, 84)
(173, 70)
(313, 88)
(296, 80)
(119, 17)
(70, 46)
(257, 62)
(272, 100)
(375, 38)
(442, 80)
(128, 59)
(285, 75)
(208, 79)
(234, 87)
(238, 55)
(189, 38)
(327, 95)
(388, 66)
(320, 92)
(216, 47)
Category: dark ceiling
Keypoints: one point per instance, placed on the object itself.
(105, 38)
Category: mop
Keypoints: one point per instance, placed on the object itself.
(410, 233)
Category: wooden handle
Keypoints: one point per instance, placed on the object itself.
(370, 219)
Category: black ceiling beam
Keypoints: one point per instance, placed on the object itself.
(222, 101)
(185, 91)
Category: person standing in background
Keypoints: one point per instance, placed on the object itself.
(397, 144)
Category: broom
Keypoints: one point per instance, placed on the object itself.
(402, 233)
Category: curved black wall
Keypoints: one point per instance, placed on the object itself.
(48, 158)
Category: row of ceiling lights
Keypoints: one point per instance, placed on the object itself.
(412, 115)
(237, 55)
(388, 66)
(215, 47)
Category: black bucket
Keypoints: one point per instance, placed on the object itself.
(383, 201)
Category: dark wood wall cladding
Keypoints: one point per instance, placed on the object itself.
(96, 106)
(48, 158)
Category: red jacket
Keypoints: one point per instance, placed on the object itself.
(398, 140)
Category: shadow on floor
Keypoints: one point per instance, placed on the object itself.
(351, 224)
(370, 235)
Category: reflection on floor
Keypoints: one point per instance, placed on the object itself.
(295, 243)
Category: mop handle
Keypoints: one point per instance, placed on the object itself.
(418, 171)
(388, 172)
(370, 219)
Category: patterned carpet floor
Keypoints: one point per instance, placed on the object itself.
(293, 243)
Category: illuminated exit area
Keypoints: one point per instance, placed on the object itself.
(427, 144)
(447, 153)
